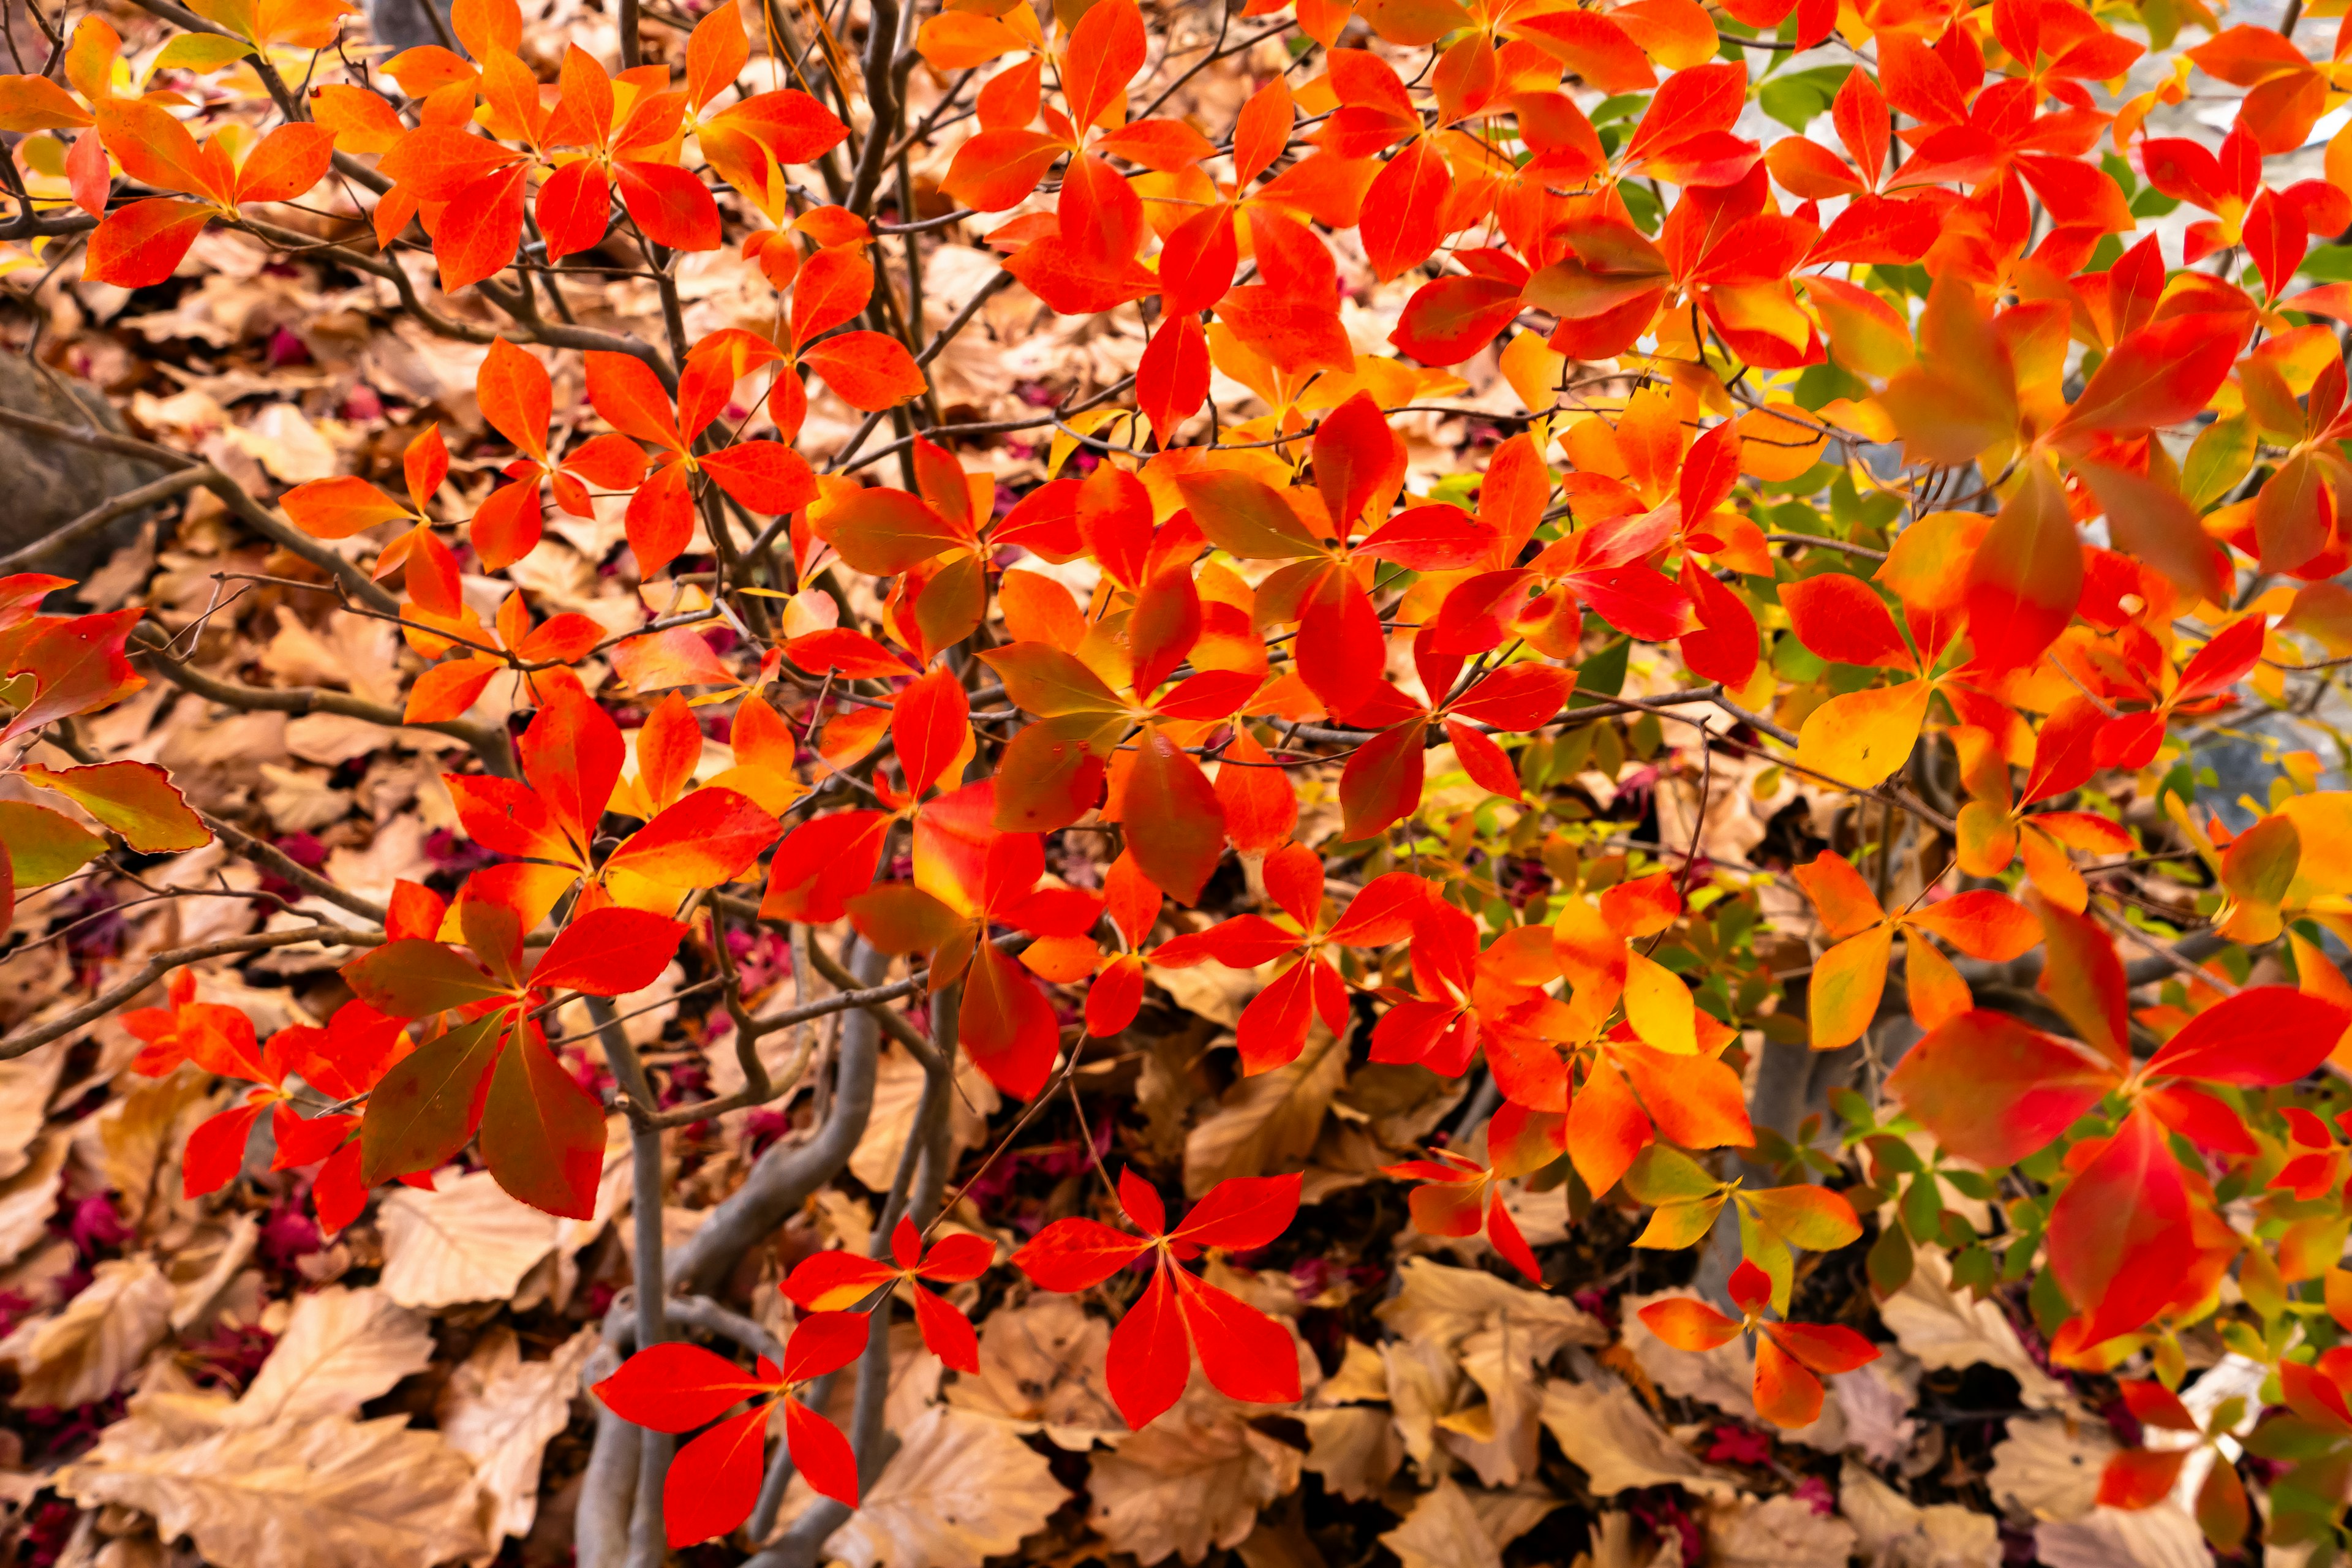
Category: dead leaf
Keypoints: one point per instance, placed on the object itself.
(30, 1197)
(1040, 1365)
(2049, 1468)
(1442, 1531)
(140, 1136)
(1267, 1123)
(1778, 1532)
(1356, 1449)
(499, 1410)
(2158, 1537)
(1499, 1336)
(1947, 1328)
(86, 1352)
(1192, 1480)
(339, 1350)
(897, 1090)
(1895, 1532)
(26, 1084)
(322, 1493)
(1619, 1445)
(960, 1489)
(468, 1242)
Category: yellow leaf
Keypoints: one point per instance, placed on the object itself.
(1860, 738)
(1658, 1005)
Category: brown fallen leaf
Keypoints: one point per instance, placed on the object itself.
(1619, 1445)
(1192, 1480)
(1268, 1122)
(86, 1352)
(466, 1242)
(960, 1489)
(326, 1492)
(1041, 1362)
(1442, 1531)
(499, 1410)
(339, 1348)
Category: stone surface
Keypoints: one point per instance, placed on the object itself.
(50, 483)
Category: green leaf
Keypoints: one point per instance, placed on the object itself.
(412, 978)
(137, 800)
(200, 52)
(44, 845)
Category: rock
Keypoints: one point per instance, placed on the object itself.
(403, 24)
(50, 483)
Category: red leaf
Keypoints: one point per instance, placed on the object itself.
(821, 1454)
(609, 952)
(1838, 617)
(1242, 1212)
(1185, 836)
(1007, 1025)
(706, 840)
(1993, 1090)
(141, 244)
(670, 205)
(714, 1481)
(871, 371)
(1150, 1357)
(1077, 1254)
(2120, 1231)
(947, 1331)
(2266, 1034)
(481, 229)
(542, 1134)
(825, 1341)
(216, 1148)
(1245, 1354)
(676, 1387)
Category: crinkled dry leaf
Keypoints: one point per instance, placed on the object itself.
(1192, 1480)
(2049, 1468)
(88, 1350)
(321, 1493)
(1266, 1123)
(1619, 1445)
(960, 1489)
(339, 1350)
(141, 1135)
(1947, 1328)
(468, 1242)
(1041, 1362)
(1776, 1532)
(30, 1196)
(1447, 1306)
(26, 1084)
(499, 1410)
(897, 1087)
(1442, 1531)
(2158, 1537)
(1895, 1532)
(1356, 1449)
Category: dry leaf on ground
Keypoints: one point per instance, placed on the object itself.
(1192, 1480)
(321, 1493)
(1610, 1435)
(88, 1350)
(1442, 1531)
(499, 1410)
(960, 1489)
(466, 1242)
